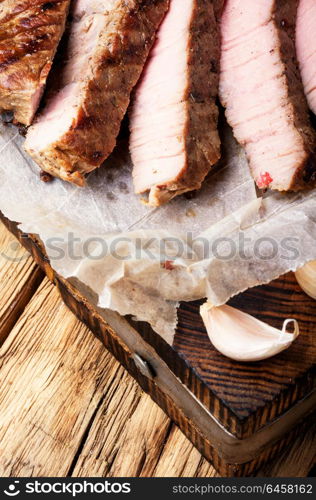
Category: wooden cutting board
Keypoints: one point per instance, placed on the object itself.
(239, 415)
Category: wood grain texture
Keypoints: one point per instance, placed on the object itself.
(19, 278)
(297, 460)
(68, 408)
(252, 394)
(244, 397)
(175, 464)
(135, 433)
(53, 374)
(87, 313)
(151, 446)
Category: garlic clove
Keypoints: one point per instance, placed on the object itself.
(306, 278)
(242, 337)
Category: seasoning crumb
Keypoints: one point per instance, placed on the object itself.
(111, 196)
(190, 213)
(168, 264)
(45, 177)
(264, 181)
(7, 116)
(123, 187)
(22, 130)
(144, 201)
(190, 195)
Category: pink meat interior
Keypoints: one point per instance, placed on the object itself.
(254, 90)
(159, 115)
(89, 19)
(306, 48)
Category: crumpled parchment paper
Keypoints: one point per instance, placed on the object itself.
(142, 261)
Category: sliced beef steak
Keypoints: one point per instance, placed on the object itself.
(108, 45)
(306, 48)
(174, 139)
(263, 93)
(30, 31)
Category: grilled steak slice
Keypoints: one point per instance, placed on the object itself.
(30, 31)
(306, 48)
(174, 139)
(263, 93)
(108, 45)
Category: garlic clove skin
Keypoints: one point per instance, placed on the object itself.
(242, 337)
(306, 278)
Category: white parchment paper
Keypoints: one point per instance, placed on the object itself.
(143, 261)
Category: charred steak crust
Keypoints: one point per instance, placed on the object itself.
(30, 31)
(218, 6)
(114, 71)
(202, 110)
(285, 14)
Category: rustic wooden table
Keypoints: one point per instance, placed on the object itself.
(67, 408)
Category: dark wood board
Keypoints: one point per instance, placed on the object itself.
(243, 397)
(256, 393)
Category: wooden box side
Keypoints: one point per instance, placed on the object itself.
(243, 397)
(90, 316)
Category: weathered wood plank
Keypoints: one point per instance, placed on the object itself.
(126, 438)
(297, 461)
(53, 375)
(179, 458)
(67, 407)
(19, 278)
(143, 442)
(112, 418)
(190, 323)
